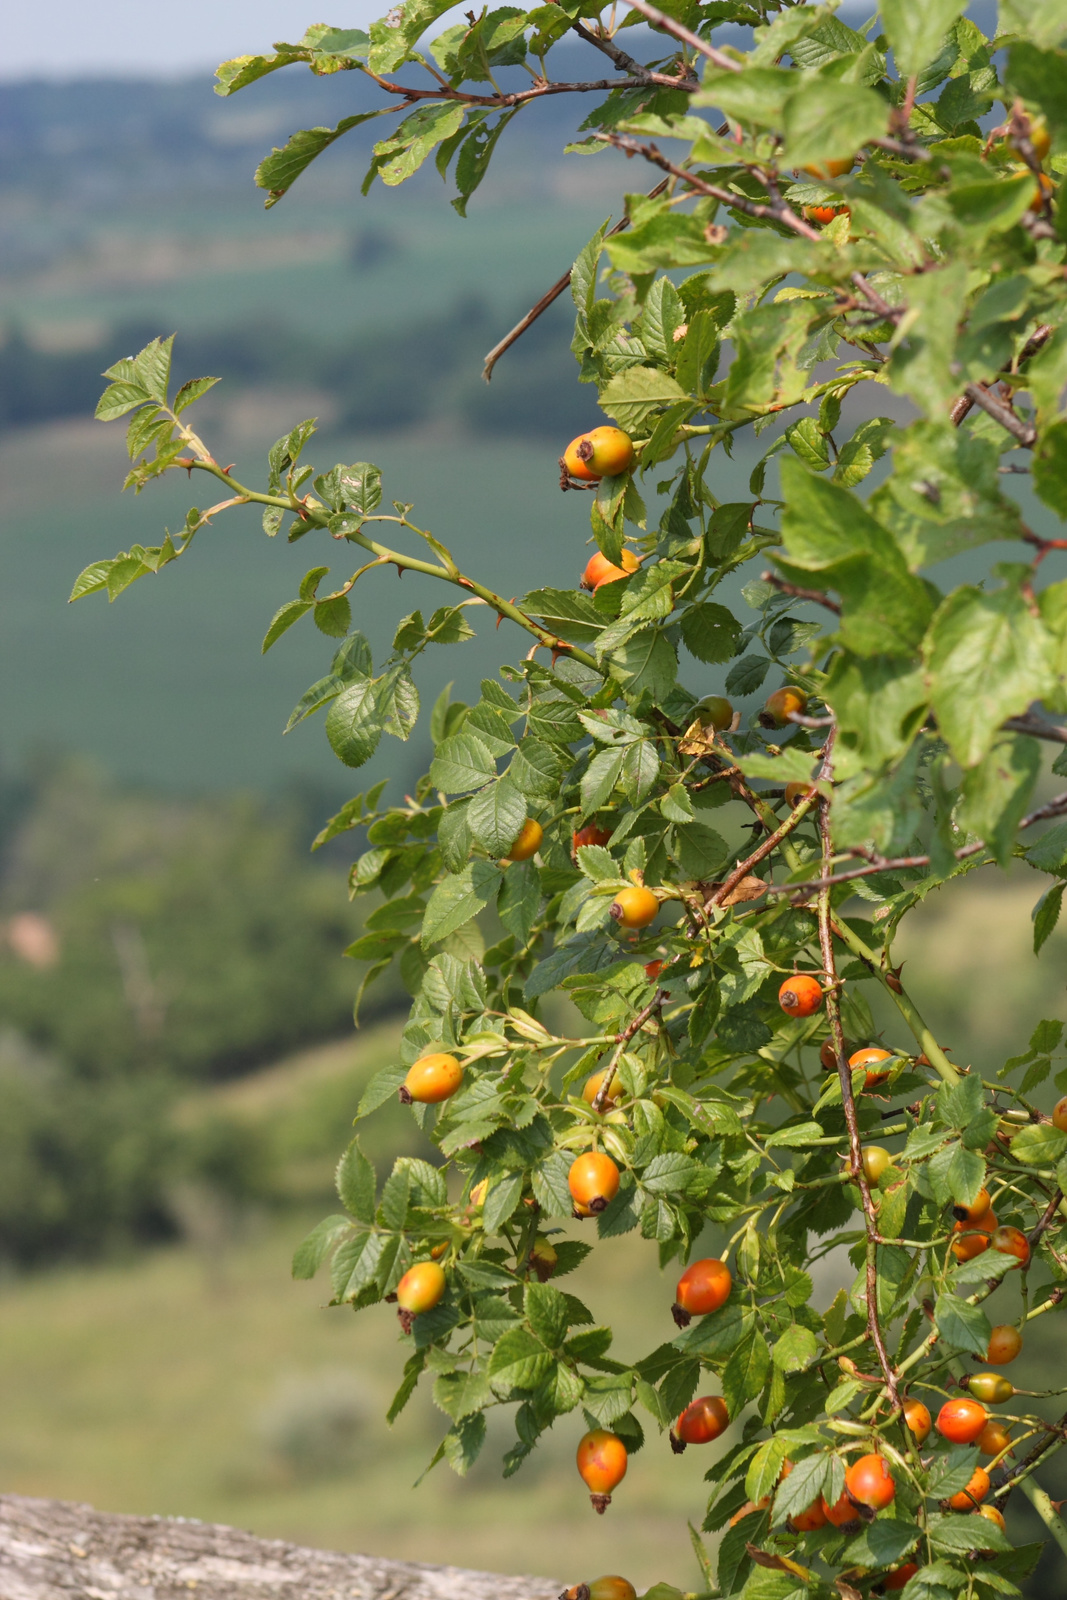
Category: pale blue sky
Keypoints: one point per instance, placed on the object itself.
(91, 38)
(87, 38)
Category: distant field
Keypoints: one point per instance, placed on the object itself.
(168, 684)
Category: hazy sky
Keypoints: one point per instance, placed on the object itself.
(86, 38)
(75, 38)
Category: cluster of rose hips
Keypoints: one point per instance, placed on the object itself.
(703, 1289)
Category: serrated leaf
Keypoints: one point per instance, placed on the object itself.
(546, 1312)
(458, 898)
(462, 762)
(1040, 1145)
(519, 1361)
(962, 1327)
(809, 1479)
(356, 1183)
(496, 815)
(283, 619)
(353, 724)
(316, 1248)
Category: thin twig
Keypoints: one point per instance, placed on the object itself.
(814, 595)
(779, 212)
(1037, 729)
(553, 294)
(1048, 1216)
(622, 1040)
(742, 870)
(1040, 337)
(877, 864)
(678, 29)
(833, 1017)
(1022, 431)
(626, 63)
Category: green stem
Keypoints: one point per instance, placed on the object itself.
(1044, 1508)
(503, 608)
(903, 1002)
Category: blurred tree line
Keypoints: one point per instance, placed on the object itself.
(147, 944)
(368, 376)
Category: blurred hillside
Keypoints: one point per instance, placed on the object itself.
(148, 942)
(130, 208)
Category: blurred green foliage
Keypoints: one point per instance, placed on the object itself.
(147, 943)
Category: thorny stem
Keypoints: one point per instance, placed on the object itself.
(778, 210)
(680, 31)
(903, 1002)
(1054, 808)
(743, 868)
(1046, 1511)
(406, 563)
(908, 1010)
(623, 1039)
(1022, 1469)
(833, 1017)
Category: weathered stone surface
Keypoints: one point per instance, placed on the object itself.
(55, 1550)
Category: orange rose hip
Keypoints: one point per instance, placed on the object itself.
(703, 1287)
(593, 1180)
(700, 1422)
(433, 1078)
(801, 995)
(602, 1464)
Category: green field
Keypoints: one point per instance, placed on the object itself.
(167, 685)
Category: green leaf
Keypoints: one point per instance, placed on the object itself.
(599, 779)
(634, 394)
(997, 792)
(519, 1361)
(809, 1479)
(962, 1327)
(828, 530)
(283, 619)
(353, 724)
(463, 1443)
(882, 1542)
(987, 658)
(1049, 852)
(501, 1200)
(586, 953)
(765, 1467)
(1050, 467)
(710, 632)
(745, 1373)
(546, 1312)
(796, 1348)
(356, 1183)
(496, 816)
(952, 1535)
(462, 762)
(915, 32)
(315, 1249)
(400, 156)
(382, 1087)
(280, 170)
(458, 898)
(1040, 1145)
(1046, 914)
(827, 120)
